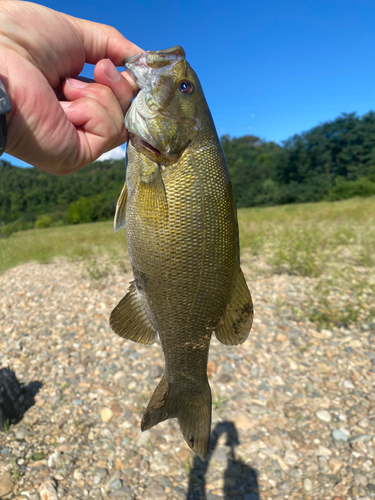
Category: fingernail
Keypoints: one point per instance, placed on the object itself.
(65, 104)
(75, 84)
(111, 71)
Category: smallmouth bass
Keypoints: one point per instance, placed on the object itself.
(178, 210)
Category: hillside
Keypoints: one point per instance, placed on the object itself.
(26, 193)
(335, 160)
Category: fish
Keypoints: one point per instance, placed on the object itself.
(179, 213)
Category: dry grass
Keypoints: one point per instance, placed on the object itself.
(84, 241)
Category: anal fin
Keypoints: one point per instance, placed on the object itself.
(235, 326)
(129, 320)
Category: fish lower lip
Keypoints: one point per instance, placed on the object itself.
(151, 148)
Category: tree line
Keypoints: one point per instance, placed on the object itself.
(333, 160)
(32, 198)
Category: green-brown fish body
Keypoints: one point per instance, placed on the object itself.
(178, 210)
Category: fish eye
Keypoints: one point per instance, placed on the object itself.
(186, 87)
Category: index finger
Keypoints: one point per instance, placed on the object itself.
(101, 41)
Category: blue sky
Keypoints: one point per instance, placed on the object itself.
(271, 68)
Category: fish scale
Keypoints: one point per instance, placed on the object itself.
(179, 214)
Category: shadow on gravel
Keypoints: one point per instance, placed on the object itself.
(240, 480)
(15, 398)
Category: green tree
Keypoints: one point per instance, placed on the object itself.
(81, 211)
(251, 163)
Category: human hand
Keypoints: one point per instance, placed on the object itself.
(41, 54)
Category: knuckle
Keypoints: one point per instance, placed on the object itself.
(102, 91)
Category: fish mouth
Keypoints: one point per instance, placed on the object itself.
(149, 147)
(152, 152)
(145, 67)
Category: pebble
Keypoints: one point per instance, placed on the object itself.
(290, 458)
(106, 414)
(183, 454)
(339, 434)
(122, 493)
(115, 485)
(323, 415)
(22, 432)
(348, 384)
(271, 436)
(156, 491)
(54, 460)
(111, 479)
(244, 422)
(361, 438)
(165, 482)
(341, 488)
(213, 496)
(335, 465)
(47, 491)
(6, 484)
(220, 455)
(97, 479)
(119, 375)
(78, 474)
(324, 451)
(282, 464)
(307, 484)
(156, 371)
(281, 337)
(291, 410)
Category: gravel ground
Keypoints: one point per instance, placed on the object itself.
(293, 412)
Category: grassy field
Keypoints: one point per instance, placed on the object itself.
(82, 241)
(304, 239)
(332, 245)
(329, 246)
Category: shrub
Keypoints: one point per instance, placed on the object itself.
(343, 189)
(42, 222)
(8, 229)
(80, 211)
(92, 209)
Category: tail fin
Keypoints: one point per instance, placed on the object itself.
(194, 414)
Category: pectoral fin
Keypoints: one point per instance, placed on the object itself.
(129, 320)
(119, 221)
(151, 196)
(235, 326)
